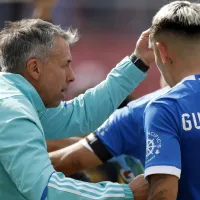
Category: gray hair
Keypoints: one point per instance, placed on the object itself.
(29, 38)
(179, 17)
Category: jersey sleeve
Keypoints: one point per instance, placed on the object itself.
(163, 155)
(87, 112)
(118, 133)
(27, 165)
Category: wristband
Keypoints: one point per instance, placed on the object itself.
(139, 63)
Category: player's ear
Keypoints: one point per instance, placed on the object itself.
(163, 51)
(34, 68)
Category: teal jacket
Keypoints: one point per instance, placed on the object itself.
(25, 169)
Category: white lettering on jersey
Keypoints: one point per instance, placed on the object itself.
(195, 120)
(187, 124)
(188, 120)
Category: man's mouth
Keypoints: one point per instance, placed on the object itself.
(64, 91)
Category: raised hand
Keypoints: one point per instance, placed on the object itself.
(142, 49)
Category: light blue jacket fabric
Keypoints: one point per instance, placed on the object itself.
(25, 169)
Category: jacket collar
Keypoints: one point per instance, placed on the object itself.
(13, 82)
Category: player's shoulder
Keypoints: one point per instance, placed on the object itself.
(140, 104)
(187, 88)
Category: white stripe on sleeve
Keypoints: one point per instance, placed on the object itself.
(85, 194)
(94, 191)
(171, 170)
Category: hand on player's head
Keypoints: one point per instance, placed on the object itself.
(142, 49)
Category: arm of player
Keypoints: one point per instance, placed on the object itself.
(120, 133)
(54, 145)
(87, 112)
(163, 186)
(163, 153)
(74, 158)
(87, 153)
(140, 187)
(25, 160)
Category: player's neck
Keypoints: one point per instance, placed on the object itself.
(182, 72)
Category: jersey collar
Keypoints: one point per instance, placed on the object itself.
(189, 78)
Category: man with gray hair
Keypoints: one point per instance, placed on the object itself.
(36, 72)
(172, 121)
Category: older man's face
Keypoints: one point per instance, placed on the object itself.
(56, 75)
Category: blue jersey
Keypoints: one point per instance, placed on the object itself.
(123, 132)
(172, 125)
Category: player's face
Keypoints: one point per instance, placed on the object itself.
(56, 75)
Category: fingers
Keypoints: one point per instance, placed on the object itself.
(146, 33)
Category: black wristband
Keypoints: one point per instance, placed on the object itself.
(98, 147)
(139, 63)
